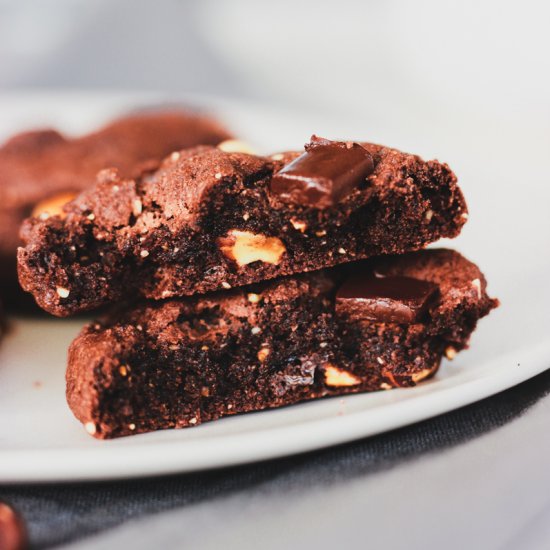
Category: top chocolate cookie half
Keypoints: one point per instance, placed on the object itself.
(207, 219)
(37, 165)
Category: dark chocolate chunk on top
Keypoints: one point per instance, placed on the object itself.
(392, 299)
(326, 173)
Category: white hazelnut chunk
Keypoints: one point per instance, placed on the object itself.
(299, 225)
(236, 146)
(175, 156)
(428, 215)
(90, 427)
(245, 247)
(52, 206)
(226, 285)
(131, 426)
(144, 253)
(62, 292)
(450, 353)
(476, 283)
(339, 377)
(256, 330)
(253, 298)
(421, 375)
(193, 420)
(137, 207)
(218, 175)
(342, 251)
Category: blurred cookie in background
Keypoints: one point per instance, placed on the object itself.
(41, 169)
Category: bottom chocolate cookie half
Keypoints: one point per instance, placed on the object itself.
(367, 326)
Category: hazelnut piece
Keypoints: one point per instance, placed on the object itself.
(236, 146)
(52, 206)
(450, 353)
(339, 377)
(263, 354)
(299, 225)
(245, 247)
(421, 375)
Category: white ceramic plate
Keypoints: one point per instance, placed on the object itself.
(41, 441)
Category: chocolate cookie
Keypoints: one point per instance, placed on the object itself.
(366, 326)
(37, 165)
(208, 219)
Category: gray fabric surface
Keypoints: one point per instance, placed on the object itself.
(58, 514)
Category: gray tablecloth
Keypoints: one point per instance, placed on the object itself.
(229, 505)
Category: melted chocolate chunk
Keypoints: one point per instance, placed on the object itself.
(392, 299)
(326, 173)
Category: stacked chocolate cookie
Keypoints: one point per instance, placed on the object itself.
(246, 282)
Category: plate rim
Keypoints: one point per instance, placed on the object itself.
(82, 464)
